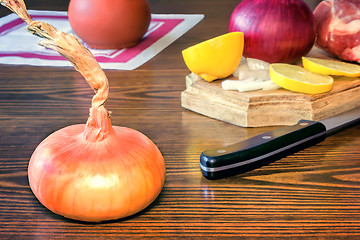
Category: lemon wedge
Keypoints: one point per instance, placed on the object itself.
(298, 79)
(331, 67)
(215, 58)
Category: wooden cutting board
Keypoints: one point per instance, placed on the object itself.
(268, 108)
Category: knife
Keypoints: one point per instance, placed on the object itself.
(273, 145)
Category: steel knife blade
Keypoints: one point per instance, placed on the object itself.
(273, 145)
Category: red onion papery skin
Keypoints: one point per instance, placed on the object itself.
(95, 171)
(274, 30)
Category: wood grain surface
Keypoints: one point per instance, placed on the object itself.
(312, 194)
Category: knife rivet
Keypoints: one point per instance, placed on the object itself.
(266, 137)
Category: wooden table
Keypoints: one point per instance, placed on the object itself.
(312, 194)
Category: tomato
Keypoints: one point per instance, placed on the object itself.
(109, 24)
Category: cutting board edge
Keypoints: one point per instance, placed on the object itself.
(246, 113)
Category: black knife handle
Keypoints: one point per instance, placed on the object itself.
(260, 150)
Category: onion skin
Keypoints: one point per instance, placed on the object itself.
(96, 181)
(274, 30)
(95, 171)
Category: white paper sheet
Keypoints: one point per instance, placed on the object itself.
(17, 46)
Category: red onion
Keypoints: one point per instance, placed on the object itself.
(274, 30)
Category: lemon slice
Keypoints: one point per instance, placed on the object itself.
(298, 79)
(215, 58)
(331, 67)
